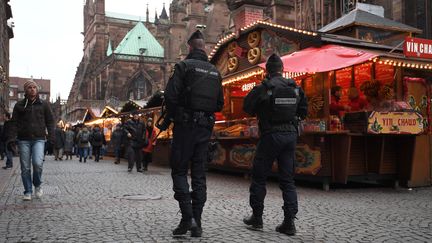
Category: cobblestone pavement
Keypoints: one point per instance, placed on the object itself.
(85, 203)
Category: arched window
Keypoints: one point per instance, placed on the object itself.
(140, 88)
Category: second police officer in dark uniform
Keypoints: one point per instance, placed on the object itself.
(192, 95)
(278, 103)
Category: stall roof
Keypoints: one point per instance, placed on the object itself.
(107, 111)
(363, 18)
(90, 114)
(354, 42)
(155, 100)
(305, 34)
(133, 105)
(325, 58)
(332, 57)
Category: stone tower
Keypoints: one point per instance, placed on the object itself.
(95, 39)
(95, 45)
(177, 32)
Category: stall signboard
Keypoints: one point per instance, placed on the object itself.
(418, 47)
(395, 123)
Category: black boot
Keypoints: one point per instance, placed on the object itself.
(287, 227)
(186, 221)
(196, 230)
(255, 222)
(183, 227)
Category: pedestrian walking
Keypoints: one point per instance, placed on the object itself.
(59, 142)
(31, 118)
(278, 103)
(4, 136)
(69, 141)
(151, 138)
(83, 141)
(136, 133)
(97, 140)
(76, 131)
(2, 143)
(192, 95)
(117, 138)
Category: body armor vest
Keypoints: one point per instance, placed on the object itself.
(283, 104)
(202, 86)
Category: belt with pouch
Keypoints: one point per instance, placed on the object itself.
(200, 118)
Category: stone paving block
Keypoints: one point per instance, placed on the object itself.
(84, 204)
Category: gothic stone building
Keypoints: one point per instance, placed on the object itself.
(128, 58)
(6, 33)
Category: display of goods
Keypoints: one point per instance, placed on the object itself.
(254, 55)
(233, 64)
(386, 92)
(232, 48)
(335, 123)
(254, 39)
(314, 126)
(234, 131)
(165, 134)
(316, 103)
(218, 128)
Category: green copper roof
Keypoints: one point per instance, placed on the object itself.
(109, 49)
(139, 41)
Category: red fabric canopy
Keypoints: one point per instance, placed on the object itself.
(322, 59)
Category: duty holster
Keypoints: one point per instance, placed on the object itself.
(195, 118)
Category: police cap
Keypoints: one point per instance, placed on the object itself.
(274, 64)
(196, 35)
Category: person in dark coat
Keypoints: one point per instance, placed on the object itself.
(83, 141)
(193, 94)
(151, 137)
(97, 140)
(59, 142)
(278, 104)
(69, 141)
(4, 135)
(117, 138)
(135, 131)
(32, 118)
(2, 144)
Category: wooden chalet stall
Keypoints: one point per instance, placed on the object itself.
(107, 121)
(379, 142)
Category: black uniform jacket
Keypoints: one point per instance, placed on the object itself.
(257, 102)
(176, 85)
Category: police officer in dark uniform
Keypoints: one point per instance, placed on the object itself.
(278, 103)
(192, 95)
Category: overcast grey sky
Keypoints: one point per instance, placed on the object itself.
(48, 41)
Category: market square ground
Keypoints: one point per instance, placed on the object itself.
(85, 203)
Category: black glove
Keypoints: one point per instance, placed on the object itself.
(164, 125)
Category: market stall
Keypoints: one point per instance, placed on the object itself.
(383, 139)
(106, 121)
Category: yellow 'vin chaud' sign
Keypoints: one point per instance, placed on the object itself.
(395, 123)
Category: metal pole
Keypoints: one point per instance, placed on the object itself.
(315, 14)
(295, 13)
(322, 13)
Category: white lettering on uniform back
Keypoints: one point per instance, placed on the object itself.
(285, 101)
